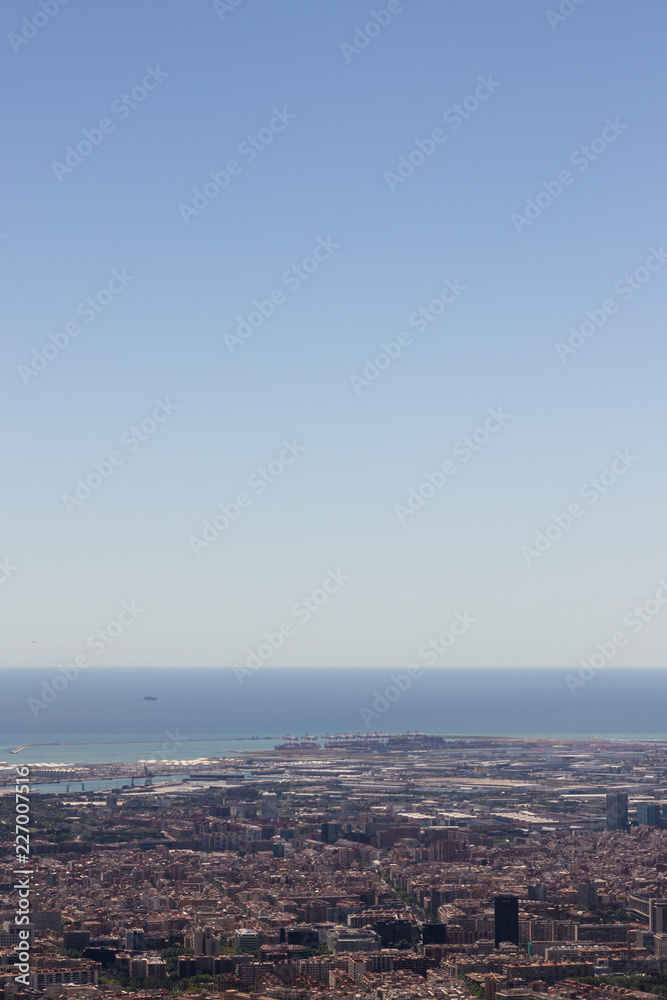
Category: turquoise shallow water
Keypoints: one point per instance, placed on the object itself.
(92, 748)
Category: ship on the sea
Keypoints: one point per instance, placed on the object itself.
(149, 697)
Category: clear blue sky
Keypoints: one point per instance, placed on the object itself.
(339, 121)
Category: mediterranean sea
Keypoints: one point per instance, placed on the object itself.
(136, 714)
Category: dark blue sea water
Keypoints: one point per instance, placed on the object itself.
(197, 703)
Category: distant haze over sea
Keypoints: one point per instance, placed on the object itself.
(197, 702)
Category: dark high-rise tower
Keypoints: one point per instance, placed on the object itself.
(330, 832)
(507, 919)
(617, 810)
(648, 814)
